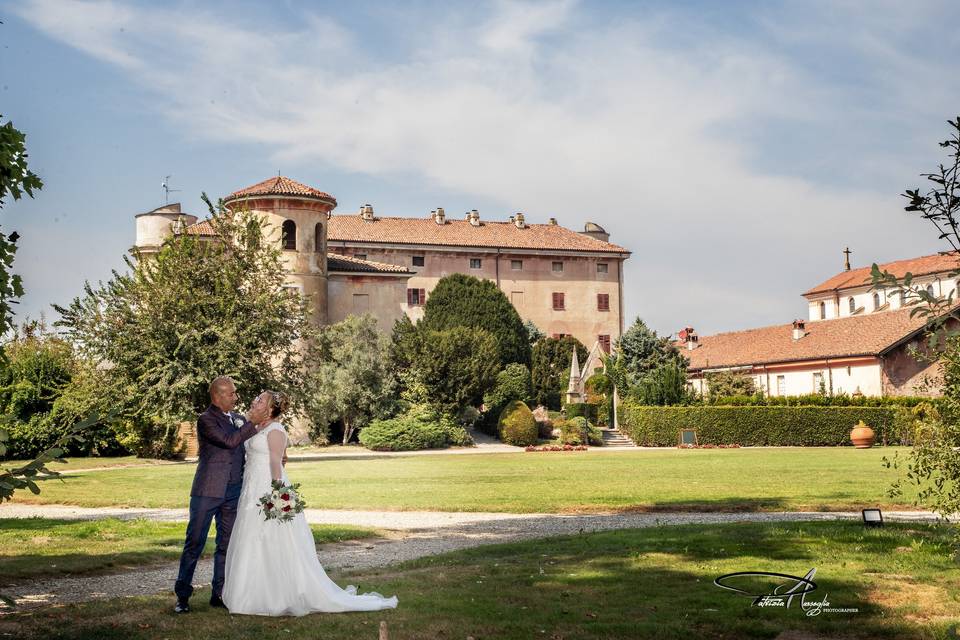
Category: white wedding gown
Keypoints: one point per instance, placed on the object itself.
(272, 567)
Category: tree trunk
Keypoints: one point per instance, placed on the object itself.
(347, 431)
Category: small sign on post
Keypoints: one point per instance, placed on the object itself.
(687, 437)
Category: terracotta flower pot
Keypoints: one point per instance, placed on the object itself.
(862, 436)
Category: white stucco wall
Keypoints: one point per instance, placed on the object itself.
(863, 298)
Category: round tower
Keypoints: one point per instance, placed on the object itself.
(153, 227)
(296, 217)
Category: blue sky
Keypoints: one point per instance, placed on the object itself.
(734, 147)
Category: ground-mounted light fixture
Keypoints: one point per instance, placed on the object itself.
(872, 517)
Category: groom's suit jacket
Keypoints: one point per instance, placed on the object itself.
(220, 450)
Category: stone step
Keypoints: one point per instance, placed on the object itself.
(615, 438)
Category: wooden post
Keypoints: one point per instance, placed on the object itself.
(383, 630)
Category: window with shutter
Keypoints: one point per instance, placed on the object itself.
(604, 341)
(558, 301)
(603, 302)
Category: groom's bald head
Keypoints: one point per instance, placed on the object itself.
(223, 393)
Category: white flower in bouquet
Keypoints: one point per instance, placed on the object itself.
(282, 503)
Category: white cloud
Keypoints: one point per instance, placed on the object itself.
(616, 123)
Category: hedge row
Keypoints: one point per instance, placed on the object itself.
(760, 426)
(818, 400)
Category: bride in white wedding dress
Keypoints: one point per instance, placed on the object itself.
(272, 567)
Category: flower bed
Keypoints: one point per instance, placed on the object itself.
(708, 446)
(556, 447)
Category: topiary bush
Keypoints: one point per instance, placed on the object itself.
(757, 426)
(517, 425)
(419, 428)
(579, 431)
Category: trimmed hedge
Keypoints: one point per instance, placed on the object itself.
(418, 428)
(818, 400)
(517, 425)
(760, 426)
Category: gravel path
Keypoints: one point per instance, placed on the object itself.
(409, 535)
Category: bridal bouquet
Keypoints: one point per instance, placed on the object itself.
(283, 503)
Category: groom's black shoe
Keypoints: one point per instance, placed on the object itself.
(216, 601)
(182, 606)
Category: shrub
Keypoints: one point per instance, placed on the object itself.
(513, 383)
(579, 431)
(418, 428)
(755, 426)
(516, 425)
(586, 410)
(545, 429)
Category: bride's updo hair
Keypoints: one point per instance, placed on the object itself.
(279, 403)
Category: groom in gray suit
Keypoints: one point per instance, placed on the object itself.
(216, 485)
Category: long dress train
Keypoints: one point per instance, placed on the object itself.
(272, 567)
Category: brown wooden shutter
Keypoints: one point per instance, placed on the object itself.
(410, 297)
(423, 296)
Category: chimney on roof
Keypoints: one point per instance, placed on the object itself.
(798, 329)
(553, 221)
(366, 212)
(513, 218)
(689, 337)
(518, 221)
(439, 216)
(474, 218)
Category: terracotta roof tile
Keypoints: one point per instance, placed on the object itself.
(868, 334)
(424, 231)
(280, 186)
(202, 228)
(336, 262)
(924, 265)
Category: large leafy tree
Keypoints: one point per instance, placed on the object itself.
(460, 300)
(933, 465)
(353, 379)
(550, 371)
(640, 351)
(454, 368)
(197, 309)
(16, 180)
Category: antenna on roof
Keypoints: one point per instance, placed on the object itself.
(165, 185)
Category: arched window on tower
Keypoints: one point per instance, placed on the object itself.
(852, 305)
(930, 289)
(290, 235)
(823, 310)
(318, 238)
(876, 301)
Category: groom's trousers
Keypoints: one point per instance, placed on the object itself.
(203, 510)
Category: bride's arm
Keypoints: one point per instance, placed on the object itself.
(277, 441)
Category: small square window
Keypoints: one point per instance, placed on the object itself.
(360, 256)
(516, 265)
(602, 267)
(474, 263)
(416, 297)
(558, 267)
(418, 261)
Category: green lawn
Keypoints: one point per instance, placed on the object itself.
(718, 479)
(644, 583)
(33, 547)
(78, 464)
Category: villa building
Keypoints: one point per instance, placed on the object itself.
(856, 340)
(566, 282)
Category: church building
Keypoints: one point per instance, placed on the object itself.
(855, 341)
(566, 282)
